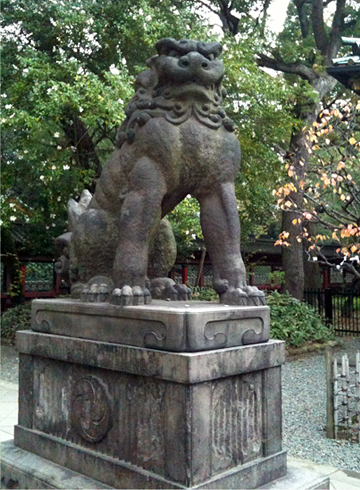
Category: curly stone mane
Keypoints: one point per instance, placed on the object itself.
(162, 94)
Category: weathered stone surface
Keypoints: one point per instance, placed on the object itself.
(180, 326)
(184, 367)
(176, 140)
(120, 474)
(304, 476)
(162, 251)
(22, 469)
(141, 418)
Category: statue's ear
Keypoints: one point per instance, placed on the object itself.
(150, 61)
(146, 79)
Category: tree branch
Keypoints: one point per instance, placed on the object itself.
(331, 213)
(230, 22)
(349, 267)
(321, 39)
(303, 18)
(208, 7)
(336, 28)
(352, 269)
(296, 68)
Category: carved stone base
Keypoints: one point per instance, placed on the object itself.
(134, 417)
(172, 326)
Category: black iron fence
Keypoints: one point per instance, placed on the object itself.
(341, 308)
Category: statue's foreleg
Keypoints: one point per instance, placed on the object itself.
(139, 218)
(221, 228)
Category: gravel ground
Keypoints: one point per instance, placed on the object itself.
(304, 412)
(304, 407)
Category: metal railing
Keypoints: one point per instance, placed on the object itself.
(339, 307)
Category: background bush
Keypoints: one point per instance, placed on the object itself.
(295, 322)
(204, 294)
(14, 319)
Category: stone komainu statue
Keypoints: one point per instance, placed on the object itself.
(176, 140)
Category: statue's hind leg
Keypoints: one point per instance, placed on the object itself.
(93, 246)
(221, 229)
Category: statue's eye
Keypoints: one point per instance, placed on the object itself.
(174, 54)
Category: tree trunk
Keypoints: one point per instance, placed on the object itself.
(293, 256)
(312, 273)
(293, 259)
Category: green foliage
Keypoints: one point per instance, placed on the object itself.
(292, 45)
(260, 105)
(295, 322)
(14, 271)
(204, 294)
(14, 319)
(185, 221)
(277, 278)
(68, 71)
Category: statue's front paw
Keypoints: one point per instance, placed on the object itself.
(234, 297)
(245, 296)
(130, 296)
(97, 290)
(255, 295)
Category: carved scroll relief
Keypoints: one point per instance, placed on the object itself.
(90, 409)
(236, 422)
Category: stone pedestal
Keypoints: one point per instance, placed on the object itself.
(138, 417)
(172, 326)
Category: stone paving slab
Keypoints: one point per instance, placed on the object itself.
(8, 409)
(26, 470)
(21, 469)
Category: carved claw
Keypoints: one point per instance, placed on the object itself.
(166, 288)
(84, 294)
(97, 290)
(245, 296)
(116, 297)
(234, 297)
(183, 292)
(170, 293)
(255, 295)
(147, 296)
(103, 293)
(96, 293)
(128, 296)
(93, 293)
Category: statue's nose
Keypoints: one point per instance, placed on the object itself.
(195, 60)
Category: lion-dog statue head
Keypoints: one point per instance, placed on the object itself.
(184, 81)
